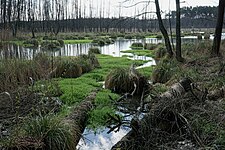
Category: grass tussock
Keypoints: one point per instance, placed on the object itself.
(44, 132)
(94, 50)
(123, 80)
(119, 81)
(137, 45)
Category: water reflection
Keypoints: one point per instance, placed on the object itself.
(15, 51)
(102, 141)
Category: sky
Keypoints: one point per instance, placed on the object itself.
(112, 8)
(164, 5)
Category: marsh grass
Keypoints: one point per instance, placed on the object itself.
(137, 45)
(77, 41)
(15, 73)
(72, 67)
(75, 90)
(94, 50)
(119, 81)
(101, 41)
(165, 70)
(48, 132)
(31, 43)
(160, 53)
(150, 46)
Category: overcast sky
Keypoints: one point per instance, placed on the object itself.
(113, 8)
(164, 4)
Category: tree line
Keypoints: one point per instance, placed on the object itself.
(66, 16)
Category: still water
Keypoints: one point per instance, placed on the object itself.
(15, 51)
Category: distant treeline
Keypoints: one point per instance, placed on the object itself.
(106, 25)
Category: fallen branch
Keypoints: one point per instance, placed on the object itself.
(176, 90)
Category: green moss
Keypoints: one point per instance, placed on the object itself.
(147, 71)
(99, 116)
(77, 41)
(75, 90)
(151, 36)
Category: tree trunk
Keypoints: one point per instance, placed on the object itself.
(79, 115)
(178, 36)
(163, 30)
(218, 31)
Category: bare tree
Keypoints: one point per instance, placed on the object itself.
(218, 31)
(178, 36)
(163, 30)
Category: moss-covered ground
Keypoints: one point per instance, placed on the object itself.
(76, 89)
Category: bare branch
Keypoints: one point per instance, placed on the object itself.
(147, 2)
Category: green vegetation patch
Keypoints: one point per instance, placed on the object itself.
(148, 53)
(147, 71)
(99, 116)
(77, 41)
(76, 89)
(44, 132)
(137, 45)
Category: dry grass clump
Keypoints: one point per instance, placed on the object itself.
(188, 118)
(160, 53)
(151, 46)
(94, 50)
(43, 132)
(124, 80)
(165, 70)
(17, 72)
(119, 81)
(72, 67)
